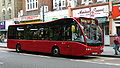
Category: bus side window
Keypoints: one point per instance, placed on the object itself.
(68, 33)
(50, 33)
(20, 32)
(12, 33)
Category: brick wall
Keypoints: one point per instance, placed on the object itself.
(35, 12)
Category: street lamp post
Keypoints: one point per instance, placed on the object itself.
(43, 9)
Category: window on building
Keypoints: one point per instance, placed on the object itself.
(73, 3)
(45, 8)
(63, 3)
(59, 4)
(9, 13)
(31, 5)
(3, 2)
(101, 1)
(87, 2)
(54, 4)
(3, 14)
(9, 1)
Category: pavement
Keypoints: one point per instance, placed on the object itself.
(3, 45)
(108, 50)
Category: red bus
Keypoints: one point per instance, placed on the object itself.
(75, 36)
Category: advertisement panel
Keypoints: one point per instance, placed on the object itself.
(2, 25)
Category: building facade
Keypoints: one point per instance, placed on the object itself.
(34, 11)
(8, 10)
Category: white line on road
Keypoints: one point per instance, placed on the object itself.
(1, 63)
(96, 62)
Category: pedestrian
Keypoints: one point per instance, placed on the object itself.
(116, 44)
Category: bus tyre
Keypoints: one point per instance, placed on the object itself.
(18, 48)
(55, 51)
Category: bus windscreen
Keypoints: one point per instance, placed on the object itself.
(92, 32)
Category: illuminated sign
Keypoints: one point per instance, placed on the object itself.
(87, 21)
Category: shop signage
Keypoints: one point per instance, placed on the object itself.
(2, 25)
(99, 11)
(116, 12)
(54, 18)
(27, 18)
(81, 12)
(49, 16)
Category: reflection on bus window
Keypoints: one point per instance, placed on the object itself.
(77, 34)
(92, 33)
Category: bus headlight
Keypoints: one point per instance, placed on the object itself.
(101, 48)
(88, 49)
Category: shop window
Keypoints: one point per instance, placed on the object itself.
(106, 30)
(118, 31)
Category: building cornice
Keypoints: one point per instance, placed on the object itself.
(94, 5)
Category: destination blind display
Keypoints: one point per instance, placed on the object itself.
(88, 21)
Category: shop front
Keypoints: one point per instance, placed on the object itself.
(116, 20)
(104, 24)
(4, 28)
(99, 12)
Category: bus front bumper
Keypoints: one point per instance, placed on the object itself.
(94, 51)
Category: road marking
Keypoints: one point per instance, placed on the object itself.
(88, 61)
(42, 56)
(4, 51)
(96, 62)
(1, 63)
(102, 59)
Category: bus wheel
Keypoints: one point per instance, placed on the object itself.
(55, 51)
(18, 48)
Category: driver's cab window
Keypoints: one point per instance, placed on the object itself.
(77, 34)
